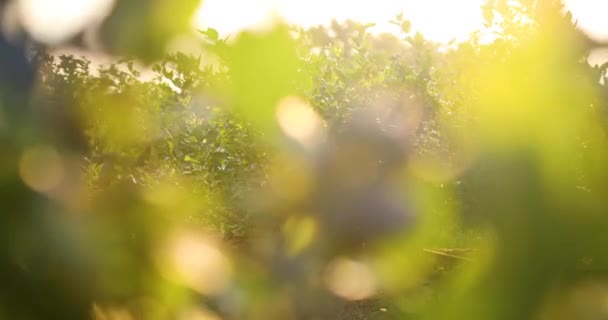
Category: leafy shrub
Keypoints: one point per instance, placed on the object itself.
(303, 172)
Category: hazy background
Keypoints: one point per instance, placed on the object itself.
(52, 20)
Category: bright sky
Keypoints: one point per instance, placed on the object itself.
(440, 20)
(592, 15)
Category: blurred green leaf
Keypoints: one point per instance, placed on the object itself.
(143, 28)
(264, 67)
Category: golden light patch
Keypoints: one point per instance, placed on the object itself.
(299, 121)
(197, 262)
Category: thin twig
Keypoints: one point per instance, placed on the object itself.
(447, 255)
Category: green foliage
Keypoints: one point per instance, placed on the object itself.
(309, 174)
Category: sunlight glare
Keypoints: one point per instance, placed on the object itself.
(444, 20)
(592, 17)
(224, 16)
(439, 20)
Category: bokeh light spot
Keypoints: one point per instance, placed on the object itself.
(41, 168)
(350, 279)
(299, 121)
(196, 261)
